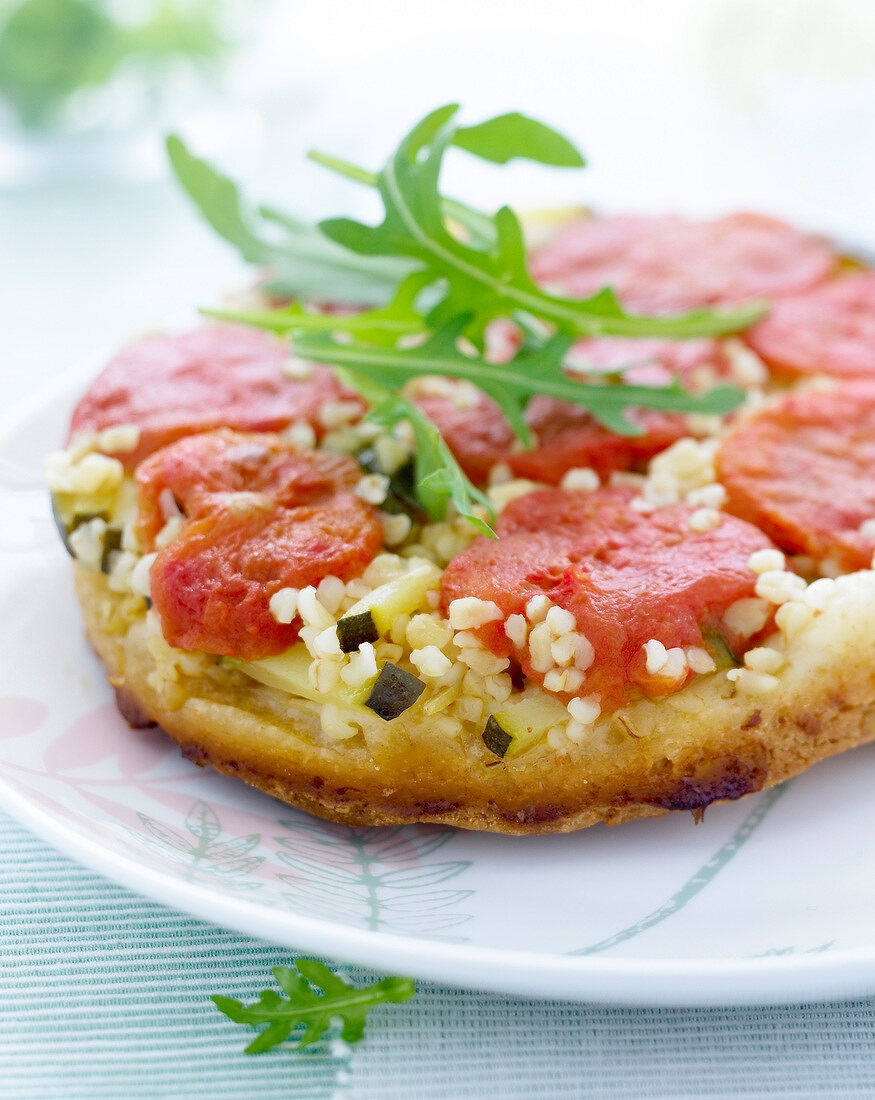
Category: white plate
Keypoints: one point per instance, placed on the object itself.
(769, 900)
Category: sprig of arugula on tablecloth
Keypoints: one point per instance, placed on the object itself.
(431, 277)
(314, 997)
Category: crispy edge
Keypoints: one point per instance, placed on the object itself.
(762, 747)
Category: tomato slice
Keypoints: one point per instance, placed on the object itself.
(216, 376)
(803, 470)
(669, 265)
(260, 516)
(626, 576)
(831, 330)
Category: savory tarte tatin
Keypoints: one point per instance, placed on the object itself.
(666, 620)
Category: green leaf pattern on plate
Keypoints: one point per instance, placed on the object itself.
(380, 878)
(202, 849)
(697, 883)
(376, 878)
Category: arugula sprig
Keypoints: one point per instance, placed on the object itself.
(305, 1006)
(499, 140)
(491, 282)
(436, 273)
(303, 261)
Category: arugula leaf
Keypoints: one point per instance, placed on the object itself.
(514, 135)
(219, 201)
(498, 139)
(304, 1006)
(485, 276)
(304, 262)
(492, 282)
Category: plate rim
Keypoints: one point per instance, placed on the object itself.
(639, 981)
(706, 981)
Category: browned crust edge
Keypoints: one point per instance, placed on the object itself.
(765, 746)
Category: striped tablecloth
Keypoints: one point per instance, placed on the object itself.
(105, 994)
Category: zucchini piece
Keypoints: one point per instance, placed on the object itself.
(353, 630)
(397, 597)
(526, 722)
(112, 540)
(401, 496)
(442, 700)
(61, 524)
(718, 647)
(496, 739)
(394, 692)
(67, 522)
(289, 672)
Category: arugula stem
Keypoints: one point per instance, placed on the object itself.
(716, 323)
(383, 362)
(343, 167)
(278, 320)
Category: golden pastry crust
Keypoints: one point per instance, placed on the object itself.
(710, 742)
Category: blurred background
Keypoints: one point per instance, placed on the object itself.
(690, 106)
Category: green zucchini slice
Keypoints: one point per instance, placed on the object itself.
(353, 630)
(395, 691)
(496, 739)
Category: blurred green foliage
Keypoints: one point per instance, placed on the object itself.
(50, 49)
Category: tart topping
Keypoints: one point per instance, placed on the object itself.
(697, 363)
(212, 585)
(213, 377)
(458, 271)
(227, 471)
(803, 470)
(567, 437)
(830, 330)
(667, 264)
(619, 577)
